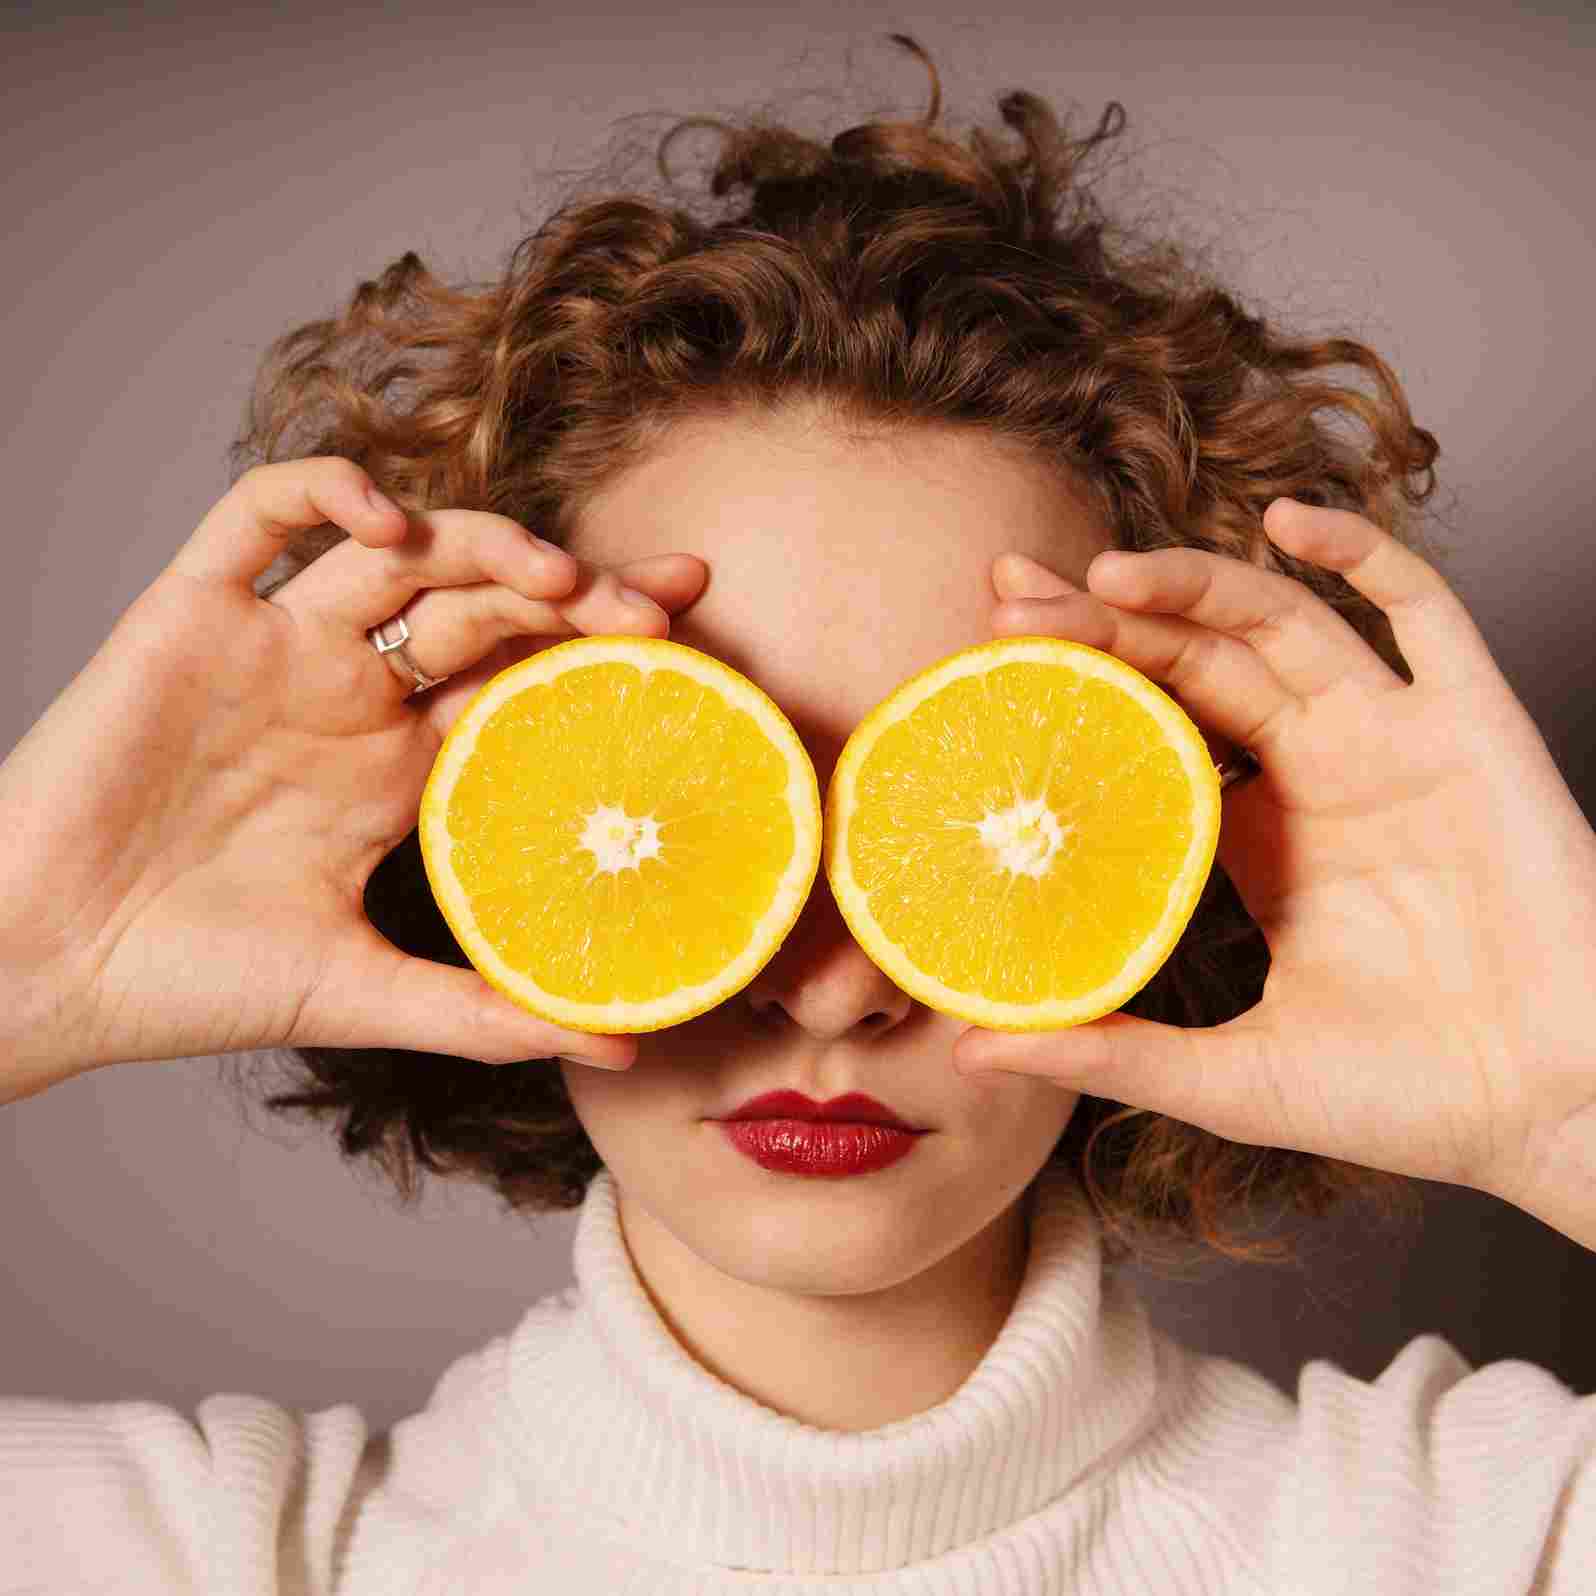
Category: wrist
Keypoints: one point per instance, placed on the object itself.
(1556, 1181)
(35, 1046)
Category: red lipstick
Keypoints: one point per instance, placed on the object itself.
(790, 1133)
(854, 1107)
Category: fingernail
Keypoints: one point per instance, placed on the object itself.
(1031, 580)
(593, 1063)
(1110, 564)
(640, 601)
(983, 1072)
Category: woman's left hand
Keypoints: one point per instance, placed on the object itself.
(1423, 876)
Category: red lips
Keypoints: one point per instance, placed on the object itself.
(852, 1108)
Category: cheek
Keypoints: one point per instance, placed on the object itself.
(593, 1092)
(587, 1086)
(650, 1088)
(1022, 1109)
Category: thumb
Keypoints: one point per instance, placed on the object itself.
(1207, 1076)
(1018, 576)
(376, 996)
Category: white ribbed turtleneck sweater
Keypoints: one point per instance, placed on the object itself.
(587, 1454)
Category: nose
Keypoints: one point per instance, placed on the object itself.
(823, 981)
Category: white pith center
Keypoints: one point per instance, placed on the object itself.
(1025, 837)
(618, 841)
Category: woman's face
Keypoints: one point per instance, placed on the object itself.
(838, 568)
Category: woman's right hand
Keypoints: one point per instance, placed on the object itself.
(189, 828)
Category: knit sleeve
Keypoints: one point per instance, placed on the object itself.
(246, 1497)
(1438, 1477)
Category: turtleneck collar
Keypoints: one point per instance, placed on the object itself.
(612, 1417)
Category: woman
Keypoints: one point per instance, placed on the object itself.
(913, 396)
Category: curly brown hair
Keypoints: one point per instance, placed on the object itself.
(904, 278)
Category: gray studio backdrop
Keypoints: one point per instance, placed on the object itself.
(181, 184)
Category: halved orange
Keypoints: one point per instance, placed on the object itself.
(620, 832)
(1019, 834)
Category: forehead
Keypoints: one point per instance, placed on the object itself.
(841, 561)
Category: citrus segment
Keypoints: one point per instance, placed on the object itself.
(1018, 835)
(620, 832)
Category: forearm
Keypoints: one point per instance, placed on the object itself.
(39, 1045)
(45, 910)
(1552, 1173)
(27, 1065)
(1559, 1185)
(1549, 1169)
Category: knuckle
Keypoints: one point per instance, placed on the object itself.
(1194, 656)
(1267, 627)
(1431, 598)
(252, 481)
(337, 469)
(271, 478)
(509, 524)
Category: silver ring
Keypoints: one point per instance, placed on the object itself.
(1242, 766)
(392, 645)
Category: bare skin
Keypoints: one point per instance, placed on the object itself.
(213, 789)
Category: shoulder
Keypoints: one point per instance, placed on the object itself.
(244, 1494)
(445, 1478)
(1432, 1477)
(1470, 1478)
(140, 1495)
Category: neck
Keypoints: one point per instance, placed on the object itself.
(909, 1345)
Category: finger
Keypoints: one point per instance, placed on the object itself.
(1018, 576)
(1215, 1077)
(354, 587)
(1434, 630)
(376, 996)
(454, 629)
(1307, 645)
(249, 526)
(639, 596)
(1222, 684)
